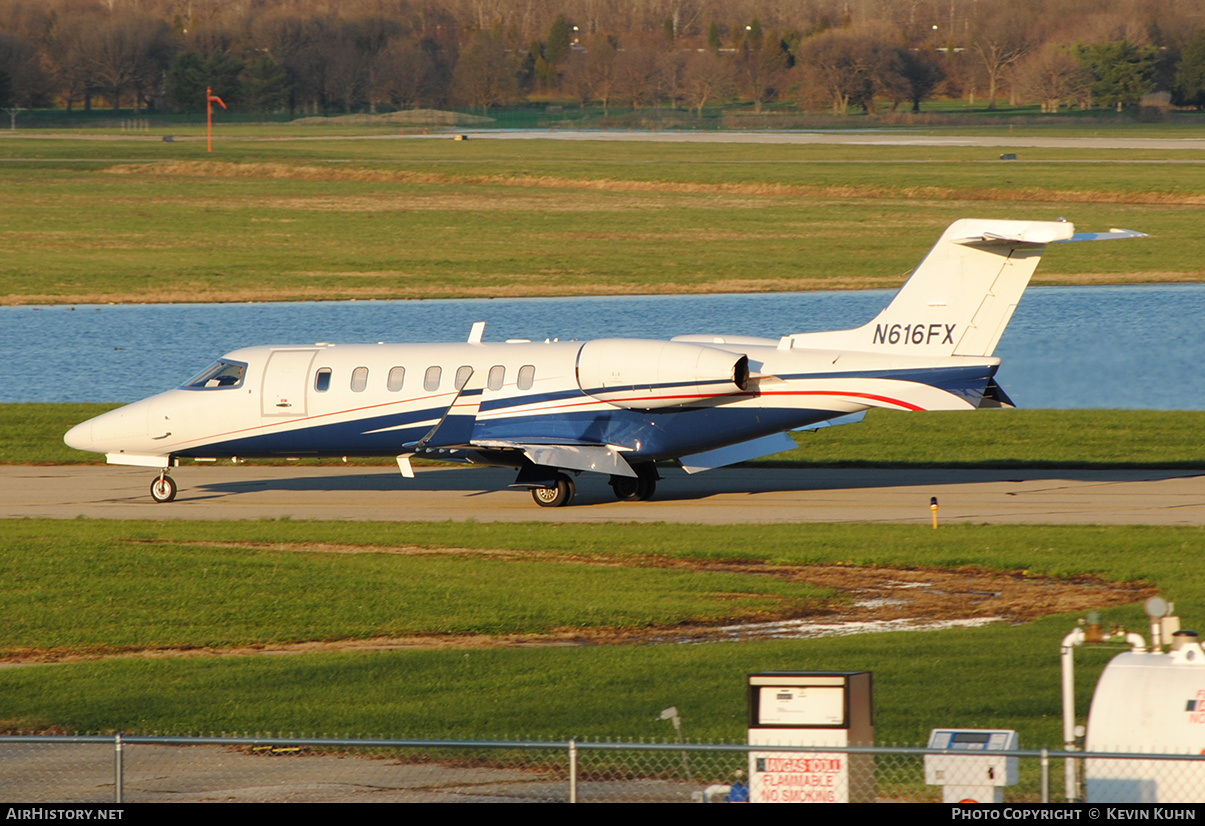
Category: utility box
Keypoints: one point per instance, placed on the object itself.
(978, 770)
(811, 708)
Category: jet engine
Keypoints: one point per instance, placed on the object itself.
(643, 374)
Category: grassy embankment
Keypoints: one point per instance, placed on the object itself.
(104, 586)
(274, 220)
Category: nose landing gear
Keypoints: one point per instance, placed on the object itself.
(163, 489)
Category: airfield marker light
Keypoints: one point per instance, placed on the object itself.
(933, 507)
(210, 100)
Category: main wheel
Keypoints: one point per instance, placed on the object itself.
(557, 496)
(646, 481)
(163, 489)
(646, 487)
(626, 488)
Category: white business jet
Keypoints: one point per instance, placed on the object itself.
(555, 409)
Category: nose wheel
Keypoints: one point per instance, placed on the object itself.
(163, 489)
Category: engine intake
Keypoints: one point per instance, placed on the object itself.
(642, 374)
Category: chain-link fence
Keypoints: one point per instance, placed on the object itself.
(42, 769)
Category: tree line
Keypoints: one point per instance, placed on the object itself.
(318, 57)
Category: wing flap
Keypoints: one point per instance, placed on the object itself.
(593, 458)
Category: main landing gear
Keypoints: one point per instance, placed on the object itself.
(559, 495)
(551, 488)
(640, 489)
(163, 489)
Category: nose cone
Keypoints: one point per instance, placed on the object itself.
(80, 437)
(122, 429)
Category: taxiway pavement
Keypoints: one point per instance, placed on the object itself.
(725, 496)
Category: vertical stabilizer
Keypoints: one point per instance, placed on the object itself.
(960, 298)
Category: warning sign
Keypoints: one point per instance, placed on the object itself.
(796, 778)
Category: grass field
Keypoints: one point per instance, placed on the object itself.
(110, 586)
(145, 220)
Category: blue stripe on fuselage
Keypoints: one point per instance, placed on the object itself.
(333, 439)
(665, 433)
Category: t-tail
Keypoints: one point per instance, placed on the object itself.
(962, 295)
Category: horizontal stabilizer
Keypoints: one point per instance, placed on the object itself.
(1022, 232)
(743, 452)
(1111, 235)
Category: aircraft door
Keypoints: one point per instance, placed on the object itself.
(285, 378)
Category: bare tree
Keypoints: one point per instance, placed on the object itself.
(592, 73)
(707, 77)
(25, 84)
(849, 67)
(1052, 75)
(127, 55)
(69, 60)
(921, 71)
(1000, 38)
(762, 66)
(637, 72)
(829, 70)
(404, 72)
(487, 74)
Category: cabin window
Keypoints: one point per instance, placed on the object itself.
(222, 374)
(527, 377)
(397, 377)
(322, 380)
(497, 377)
(359, 379)
(431, 380)
(462, 376)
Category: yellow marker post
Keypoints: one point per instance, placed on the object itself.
(933, 507)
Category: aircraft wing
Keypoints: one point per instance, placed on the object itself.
(596, 458)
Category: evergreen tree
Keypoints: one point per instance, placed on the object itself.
(222, 75)
(265, 86)
(186, 82)
(1189, 86)
(559, 42)
(1122, 72)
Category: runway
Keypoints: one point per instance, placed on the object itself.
(725, 496)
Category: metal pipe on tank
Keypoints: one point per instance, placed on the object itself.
(1066, 655)
(1073, 639)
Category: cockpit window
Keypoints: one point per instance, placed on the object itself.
(223, 374)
